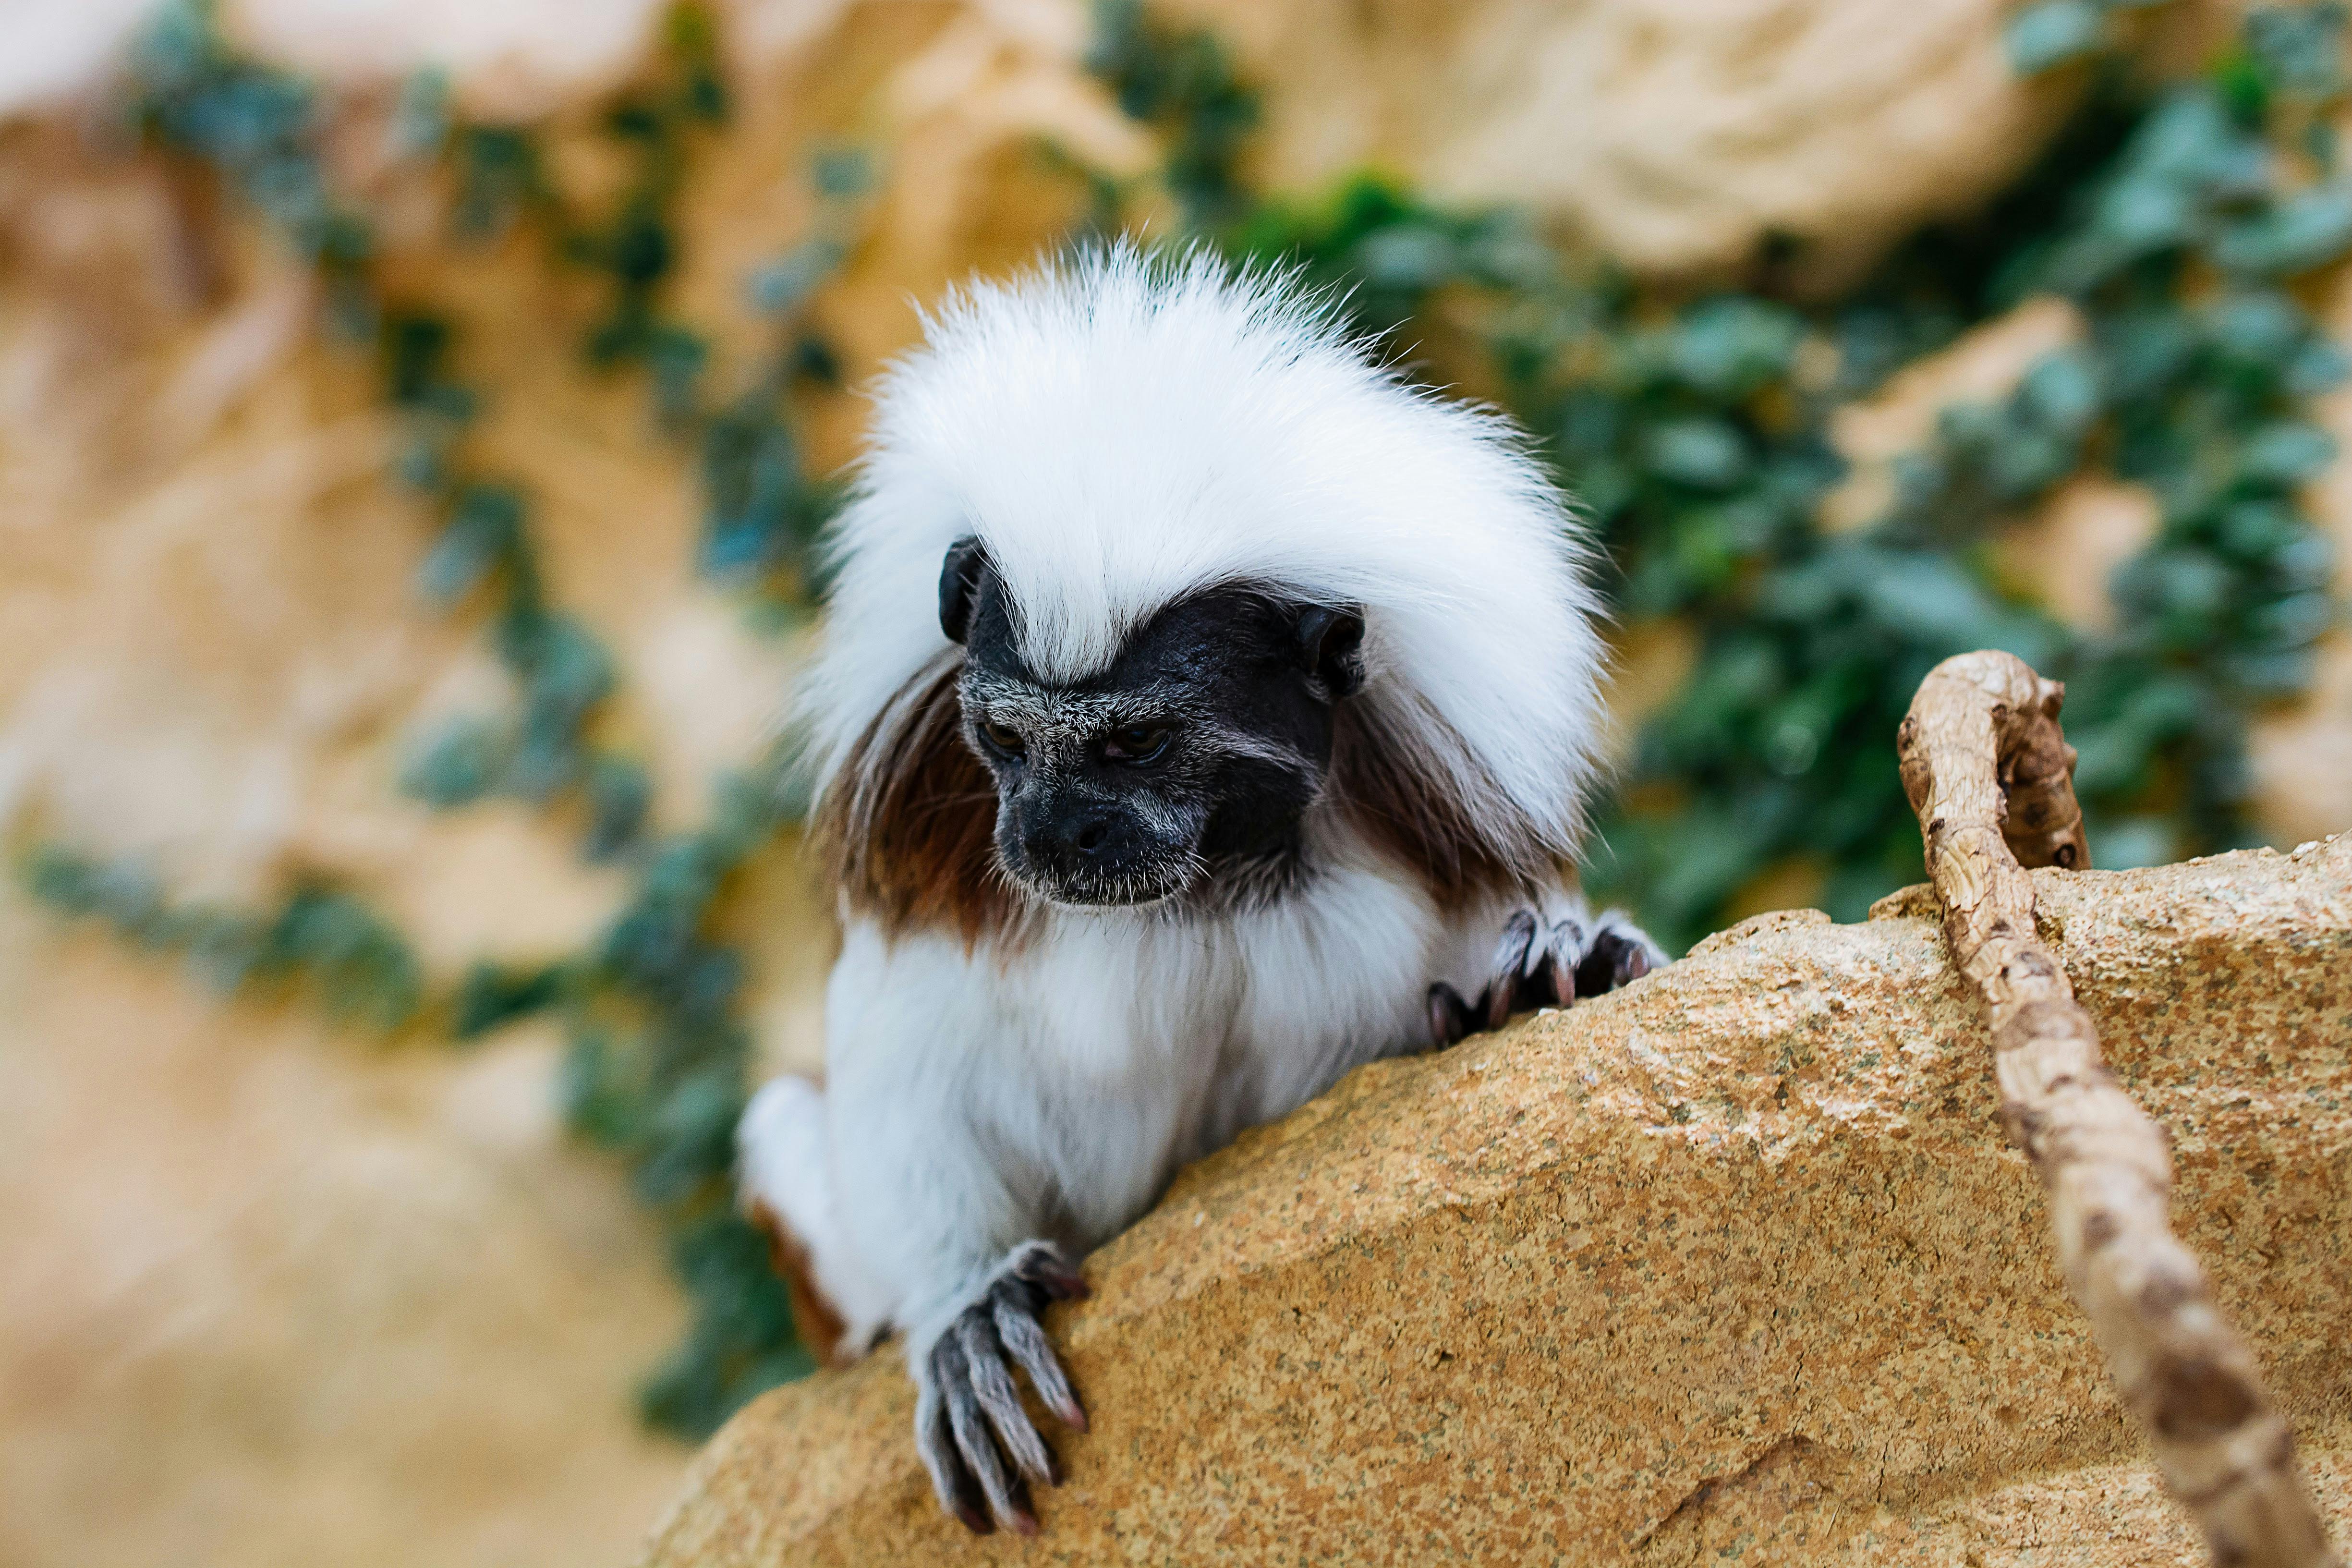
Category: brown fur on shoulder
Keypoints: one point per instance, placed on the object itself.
(909, 822)
(1410, 811)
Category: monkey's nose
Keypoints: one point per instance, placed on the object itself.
(1089, 835)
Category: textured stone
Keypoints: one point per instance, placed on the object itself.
(278, 1296)
(1678, 134)
(1731, 1265)
(2066, 551)
(2302, 756)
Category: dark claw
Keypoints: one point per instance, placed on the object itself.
(1450, 1019)
(1614, 959)
(992, 1381)
(935, 1442)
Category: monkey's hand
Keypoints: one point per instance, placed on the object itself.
(969, 1422)
(1545, 961)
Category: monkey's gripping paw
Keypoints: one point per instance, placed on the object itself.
(1545, 961)
(976, 1440)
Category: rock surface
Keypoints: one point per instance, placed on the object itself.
(274, 1296)
(1732, 1266)
(1676, 134)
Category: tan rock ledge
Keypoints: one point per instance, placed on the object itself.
(1733, 1265)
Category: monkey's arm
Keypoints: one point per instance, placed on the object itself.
(941, 1209)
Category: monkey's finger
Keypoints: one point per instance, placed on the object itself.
(1564, 949)
(1450, 1019)
(1043, 1265)
(992, 1381)
(935, 1442)
(1008, 1500)
(1026, 1341)
(1512, 957)
(1618, 956)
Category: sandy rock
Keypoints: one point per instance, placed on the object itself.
(513, 59)
(1730, 1266)
(2065, 552)
(279, 1296)
(54, 50)
(2302, 758)
(516, 58)
(1675, 133)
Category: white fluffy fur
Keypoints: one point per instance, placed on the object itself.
(1121, 434)
(786, 1161)
(979, 1100)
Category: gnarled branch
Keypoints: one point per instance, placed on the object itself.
(1990, 775)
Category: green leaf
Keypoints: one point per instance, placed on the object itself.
(467, 760)
(2052, 32)
(2301, 233)
(493, 995)
(1704, 453)
(483, 533)
(2286, 454)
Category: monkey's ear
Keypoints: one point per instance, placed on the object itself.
(960, 577)
(1331, 647)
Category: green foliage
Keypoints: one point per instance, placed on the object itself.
(657, 1062)
(635, 247)
(1183, 84)
(2050, 33)
(319, 939)
(257, 127)
(658, 1072)
(762, 510)
(1694, 433)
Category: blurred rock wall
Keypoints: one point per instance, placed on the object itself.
(283, 1294)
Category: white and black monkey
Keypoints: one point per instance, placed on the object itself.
(1204, 711)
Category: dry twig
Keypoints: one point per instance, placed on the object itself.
(1991, 777)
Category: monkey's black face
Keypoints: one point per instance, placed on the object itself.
(1184, 767)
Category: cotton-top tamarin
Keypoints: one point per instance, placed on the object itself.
(1204, 711)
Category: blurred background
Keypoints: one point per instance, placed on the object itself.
(415, 417)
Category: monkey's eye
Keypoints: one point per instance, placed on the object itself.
(1007, 741)
(1136, 742)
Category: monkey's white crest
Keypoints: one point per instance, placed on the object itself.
(1120, 431)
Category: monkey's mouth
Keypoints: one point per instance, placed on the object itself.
(1139, 884)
